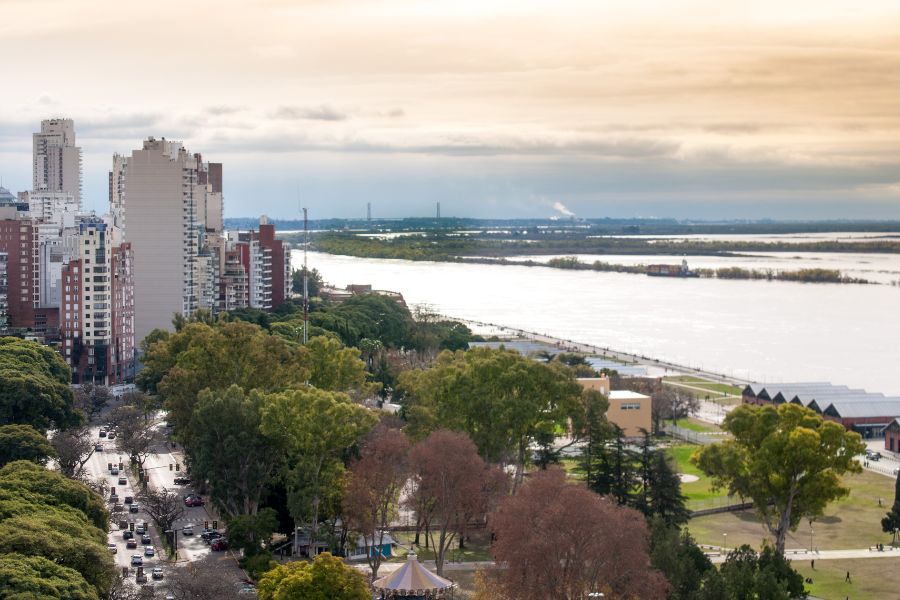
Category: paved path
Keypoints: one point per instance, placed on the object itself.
(852, 553)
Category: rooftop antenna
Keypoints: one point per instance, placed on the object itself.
(305, 279)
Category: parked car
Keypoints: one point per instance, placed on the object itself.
(193, 500)
(219, 545)
(157, 573)
(145, 540)
(102, 433)
(181, 480)
(187, 530)
(133, 507)
(131, 544)
(137, 560)
(873, 455)
(127, 535)
(123, 481)
(149, 551)
(112, 548)
(98, 448)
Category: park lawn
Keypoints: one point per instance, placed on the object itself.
(699, 493)
(573, 468)
(872, 578)
(852, 522)
(478, 547)
(697, 425)
(712, 386)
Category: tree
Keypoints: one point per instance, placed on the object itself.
(503, 400)
(334, 367)
(73, 448)
(229, 451)
(91, 399)
(593, 428)
(34, 386)
(164, 506)
(201, 581)
(666, 500)
(559, 540)
(372, 489)
(135, 436)
(677, 556)
(38, 577)
(326, 578)
(453, 485)
(748, 575)
(250, 532)
(314, 428)
(891, 522)
(24, 442)
(314, 281)
(787, 460)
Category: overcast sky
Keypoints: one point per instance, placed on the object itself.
(495, 108)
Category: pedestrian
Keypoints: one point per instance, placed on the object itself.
(812, 564)
(847, 578)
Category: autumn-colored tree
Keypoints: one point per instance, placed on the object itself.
(453, 486)
(372, 489)
(560, 540)
(787, 460)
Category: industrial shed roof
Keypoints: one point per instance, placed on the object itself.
(861, 408)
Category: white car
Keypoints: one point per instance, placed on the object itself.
(149, 551)
(187, 530)
(112, 548)
(157, 573)
(137, 560)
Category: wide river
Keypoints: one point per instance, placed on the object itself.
(759, 330)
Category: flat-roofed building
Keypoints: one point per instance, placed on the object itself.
(628, 410)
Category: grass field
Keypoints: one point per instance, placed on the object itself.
(699, 493)
(871, 579)
(477, 547)
(697, 425)
(853, 522)
(712, 386)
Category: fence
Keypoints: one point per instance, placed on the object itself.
(694, 437)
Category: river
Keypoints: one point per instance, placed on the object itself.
(758, 330)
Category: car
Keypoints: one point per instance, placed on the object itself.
(181, 480)
(133, 507)
(873, 455)
(137, 560)
(114, 471)
(131, 544)
(210, 535)
(112, 548)
(219, 545)
(127, 535)
(187, 530)
(193, 500)
(149, 551)
(145, 540)
(139, 529)
(129, 499)
(114, 498)
(123, 481)
(247, 590)
(102, 433)
(98, 448)
(111, 435)
(157, 573)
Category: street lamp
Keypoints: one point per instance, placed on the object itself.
(725, 542)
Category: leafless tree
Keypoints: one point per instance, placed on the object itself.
(92, 399)
(201, 581)
(164, 506)
(74, 448)
(135, 435)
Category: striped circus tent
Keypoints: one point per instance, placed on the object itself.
(412, 581)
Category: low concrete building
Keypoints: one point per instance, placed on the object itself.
(629, 410)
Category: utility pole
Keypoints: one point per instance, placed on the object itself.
(369, 212)
(439, 211)
(305, 278)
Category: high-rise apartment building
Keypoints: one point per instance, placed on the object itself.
(97, 307)
(267, 262)
(56, 158)
(19, 241)
(164, 197)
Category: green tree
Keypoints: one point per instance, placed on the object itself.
(24, 442)
(250, 532)
(314, 281)
(53, 489)
(334, 367)
(314, 428)
(749, 576)
(26, 577)
(201, 356)
(680, 559)
(503, 400)
(891, 522)
(787, 460)
(326, 578)
(229, 451)
(34, 386)
(666, 500)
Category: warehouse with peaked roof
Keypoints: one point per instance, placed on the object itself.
(869, 414)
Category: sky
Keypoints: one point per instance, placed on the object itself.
(494, 108)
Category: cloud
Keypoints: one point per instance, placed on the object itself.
(315, 113)
(224, 109)
(561, 208)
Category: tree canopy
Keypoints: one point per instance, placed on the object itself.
(24, 442)
(34, 386)
(326, 578)
(29, 577)
(787, 460)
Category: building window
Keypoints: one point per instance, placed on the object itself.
(631, 406)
